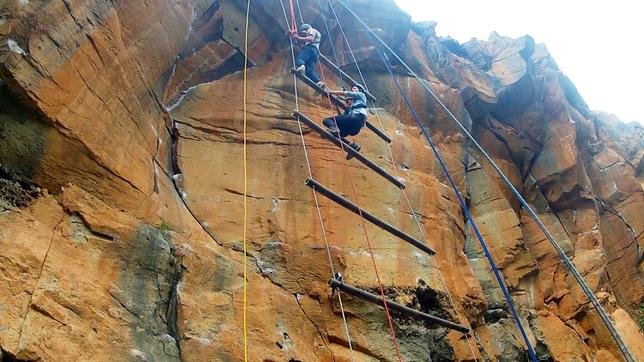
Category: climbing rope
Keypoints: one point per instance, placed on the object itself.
(317, 205)
(465, 209)
(299, 10)
(328, 32)
(245, 184)
(628, 356)
(395, 168)
(346, 41)
(293, 26)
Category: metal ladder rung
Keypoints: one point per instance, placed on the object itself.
(369, 297)
(367, 162)
(367, 216)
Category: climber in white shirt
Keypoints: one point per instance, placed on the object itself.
(309, 39)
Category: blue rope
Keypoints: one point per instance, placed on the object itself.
(628, 356)
(328, 32)
(499, 279)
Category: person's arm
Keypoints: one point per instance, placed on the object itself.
(345, 93)
(354, 95)
(297, 37)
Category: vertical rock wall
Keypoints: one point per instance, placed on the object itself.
(108, 253)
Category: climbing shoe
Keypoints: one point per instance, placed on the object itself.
(300, 69)
(356, 147)
(322, 85)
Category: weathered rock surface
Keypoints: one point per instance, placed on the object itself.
(121, 183)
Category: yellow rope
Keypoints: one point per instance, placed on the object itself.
(245, 186)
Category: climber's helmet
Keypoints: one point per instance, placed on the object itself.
(305, 27)
(357, 88)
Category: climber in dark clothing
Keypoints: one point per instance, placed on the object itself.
(309, 39)
(354, 118)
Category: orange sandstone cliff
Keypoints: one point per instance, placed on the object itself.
(104, 255)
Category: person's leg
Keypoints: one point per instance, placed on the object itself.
(352, 124)
(299, 60)
(349, 125)
(344, 123)
(346, 126)
(303, 57)
(311, 64)
(328, 122)
(357, 122)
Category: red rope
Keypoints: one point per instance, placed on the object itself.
(364, 227)
(293, 20)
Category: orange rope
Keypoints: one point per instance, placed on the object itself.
(293, 20)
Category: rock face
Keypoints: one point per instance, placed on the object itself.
(121, 184)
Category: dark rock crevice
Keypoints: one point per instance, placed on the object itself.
(40, 273)
(149, 290)
(25, 135)
(15, 191)
(420, 340)
(22, 133)
(607, 207)
(177, 176)
(172, 311)
(228, 135)
(6, 356)
(323, 334)
(357, 347)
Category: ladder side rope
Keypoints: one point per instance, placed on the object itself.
(328, 32)
(465, 209)
(364, 227)
(346, 40)
(293, 26)
(628, 355)
(245, 185)
(299, 10)
(393, 162)
(317, 205)
(415, 216)
(366, 234)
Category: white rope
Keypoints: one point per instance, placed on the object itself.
(299, 10)
(315, 198)
(415, 216)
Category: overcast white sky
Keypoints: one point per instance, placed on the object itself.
(597, 44)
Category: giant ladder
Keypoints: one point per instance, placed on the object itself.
(337, 283)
